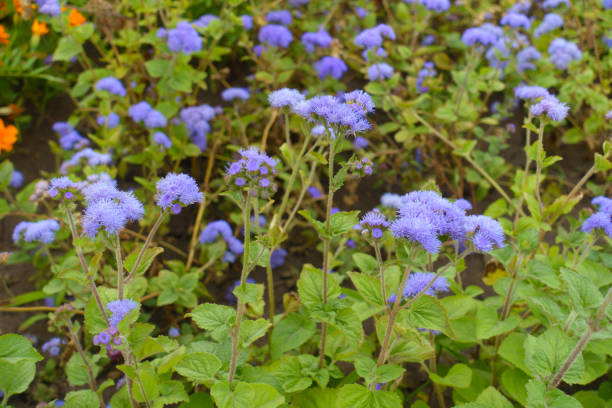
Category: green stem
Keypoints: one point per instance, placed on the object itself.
(119, 262)
(240, 308)
(326, 244)
(525, 171)
(145, 246)
(539, 163)
(381, 270)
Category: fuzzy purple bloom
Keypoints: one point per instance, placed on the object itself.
(360, 101)
(524, 58)
(69, 137)
(277, 258)
(204, 20)
(196, 119)
(562, 52)
(320, 38)
(92, 157)
(486, 34)
(49, 7)
(516, 20)
(162, 139)
(418, 281)
(247, 21)
(285, 97)
(436, 5)
(330, 66)
(40, 231)
(177, 189)
(530, 92)
(53, 346)
(488, 232)
(380, 71)
(282, 17)
(16, 179)
(551, 22)
(276, 35)
(548, 4)
(230, 94)
(111, 85)
(111, 121)
(120, 309)
(184, 38)
(553, 108)
(143, 112)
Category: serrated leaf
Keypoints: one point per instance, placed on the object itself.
(199, 366)
(459, 376)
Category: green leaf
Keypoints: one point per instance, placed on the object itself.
(199, 366)
(318, 225)
(488, 324)
(291, 332)
(545, 354)
(15, 348)
(290, 374)
(157, 67)
(513, 350)
(539, 397)
(249, 292)
(94, 321)
(82, 399)
(427, 313)
(497, 208)
(145, 262)
(492, 398)
(459, 376)
(67, 48)
(583, 293)
(343, 222)
(150, 385)
(310, 287)
(316, 398)
(216, 318)
(251, 395)
(252, 330)
(366, 263)
(17, 376)
(6, 171)
(464, 147)
(76, 370)
(513, 382)
(602, 164)
(358, 396)
(368, 287)
(388, 373)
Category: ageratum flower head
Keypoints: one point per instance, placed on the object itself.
(184, 38)
(602, 219)
(112, 85)
(330, 66)
(69, 137)
(380, 71)
(487, 232)
(119, 310)
(548, 4)
(109, 208)
(49, 7)
(360, 143)
(142, 112)
(428, 70)
(282, 17)
(516, 20)
(373, 37)
(315, 192)
(53, 346)
(368, 52)
(336, 115)
(551, 106)
(562, 52)
(522, 7)
(196, 119)
(247, 21)
(418, 281)
(486, 34)
(253, 170)
(524, 58)
(212, 231)
(321, 38)
(361, 12)
(285, 97)
(92, 158)
(391, 200)
(204, 20)
(551, 22)
(40, 231)
(360, 101)
(230, 94)
(111, 121)
(275, 35)
(176, 191)
(16, 179)
(436, 5)
(63, 185)
(375, 223)
(162, 139)
(530, 92)
(607, 4)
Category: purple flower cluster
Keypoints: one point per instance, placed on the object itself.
(373, 37)
(436, 5)
(486, 34)
(336, 115)
(230, 94)
(213, 230)
(92, 157)
(548, 4)
(184, 38)
(552, 107)
(119, 310)
(162, 140)
(16, 179)
(247, 21)
(276, 35)
(253, 170)
(111, 85)
(278, 257)
(380, 71)
(49, 7)
(525, 56)
(425, 216)
(530, 92)
(374, 223)
(551, 22)
(562, 52)
(40, 231)
(330, 66)
(109, 208)
(53, 346)
(143, 112)
(602, 219)
(69, 137)
(516, 20)
(63, 185)
(282, 17)
(175, 191)
(320, 38)
(428, 70)
(391, 200)
(285, 97)
(196, 119)
(111, 121)
(204, 20)
(229, 296)
(360, 101)
(418, 281)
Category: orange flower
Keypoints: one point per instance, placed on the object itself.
(39, 28)
(18, 6)
(8, 136)
(75, 18)
(4, 36)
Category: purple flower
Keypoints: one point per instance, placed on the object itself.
(143, 112)
(53, 346)
(40, 231)
(92, 157)
(530, 92)
(360, 101)
(252, 167)
(320, 38)
(486, 34)
(119, 310)
(174, 332)
(315, 192)
(361, 12)
(229, 296)
(111, 85)
(609, 115)
(16, 179)
(379, 51)
(49, 7)
(247, 21)
(330, 66)
(177, 189)
(276, 35)
(360, 143)
(69, 137)
(334, 112)
(373, 37)
(419, 280)
(111, 121)
(550, 22)
(464, 204)
(550, 105)
(599, 220)
(235, 93)
(214, 229)
(427, 71)
(562, 52)
(547, 4)
(297, 3)
(282, 17)
(391, 200)
(196, 120)
(428, 40)
(62, 184)
(204, 20)
(607, 4)
(516, 20)
(277, 258)
(487, 232)
(524, 58)
(184, 38)
(285, 97)
(375, 223)
(436, 5)
(380, 71)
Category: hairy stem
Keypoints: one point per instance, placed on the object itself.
(381, 270)
(119, 262)
(525, 171)
(539, 163)
(145, 246)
